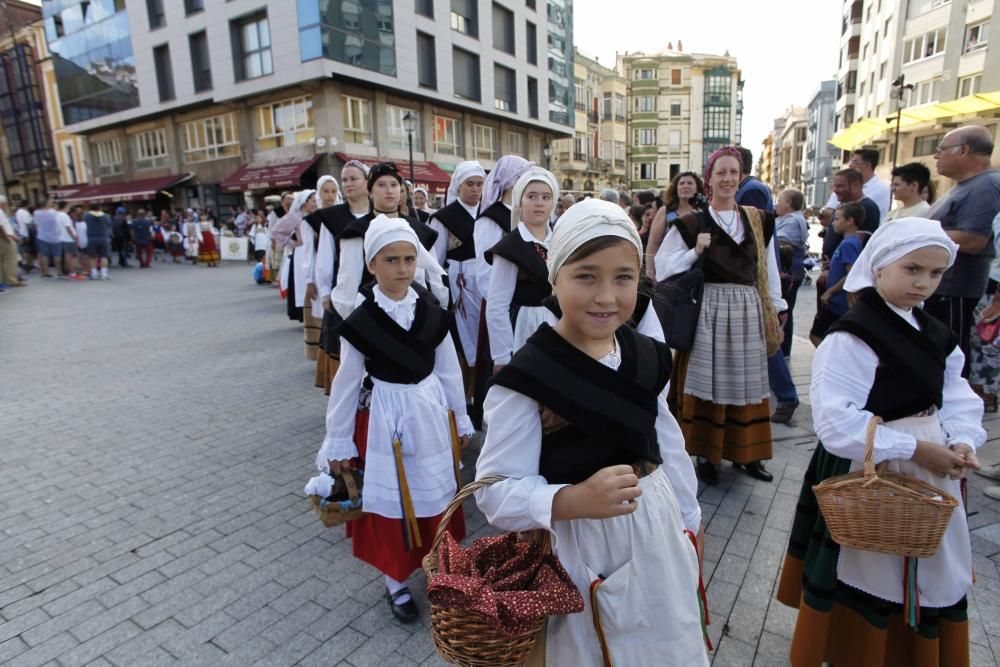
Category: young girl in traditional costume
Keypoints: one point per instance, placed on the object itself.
(578, 424)
(519, 280)
(885, 357)
(401, 340)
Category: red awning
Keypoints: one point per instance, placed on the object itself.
(268, 176)
(144, 189)
(64, 191)
(425, 174)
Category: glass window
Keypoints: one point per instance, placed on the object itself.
(647, 103)
(532, 97)
(645, 136)
(211, 138)
(923, 146)
(466, 74)
(201, 68)
(357, 120)
(675, 77)
(22, 110)
(619, 107)
(252, 47)
(969, 85)
(503, 29)
(157, 17)
(515, 143)
(620, 152)
(109, 157)
(675, 108)
(644, 171)
(426, 61)
(425, 8)
(284, 123)
(504, 88)
(357, 33)
(164, 72)
(484, 142)
(398, 137)
(675, 140)
(150, 149)
(465, 17)
(644, 74)
(447, 137)
(192, 6)
(976, 36)
(531, 41)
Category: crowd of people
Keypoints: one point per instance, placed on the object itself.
(530, 315)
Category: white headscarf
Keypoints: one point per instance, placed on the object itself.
(892, 242)
(329, 179)
(585, 221)
(463, 172)
(358, 164)
(427, 195)
(383, 230)
(300, 200)
(503, 177)
(532, 175)
(283, 229)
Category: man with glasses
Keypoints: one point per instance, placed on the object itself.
(966, 213)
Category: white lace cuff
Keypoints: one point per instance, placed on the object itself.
(335, 449)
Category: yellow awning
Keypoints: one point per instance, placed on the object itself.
(866, 129)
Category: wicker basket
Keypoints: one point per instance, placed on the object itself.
(464, 637)
(332, 512)
(885, 512)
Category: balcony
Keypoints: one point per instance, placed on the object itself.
(593, 117)
(579, 157)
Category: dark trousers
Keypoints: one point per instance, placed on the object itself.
(956, 312)
(145, 253)
(789, 291)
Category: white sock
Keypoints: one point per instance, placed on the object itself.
(394, 586)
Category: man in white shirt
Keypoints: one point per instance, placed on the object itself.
(908, 181)
(865, 160)
(9, 240)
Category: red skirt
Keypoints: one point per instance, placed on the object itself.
(208, 251)
(379, 541)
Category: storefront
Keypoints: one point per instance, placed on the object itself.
(425, 174)
(153, 194)
(257, 181)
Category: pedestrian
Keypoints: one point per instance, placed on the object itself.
(120, 237)
(908, 181)
(174, 241)
(69, 242)
(9, 242)
(518, 282)
(98, 241)
(49, 235)
(966, 213)
(141, 235)
(408, 454)
(984, 362)
(275, 251)
(76, 215)
(159, 238)
(578, 428)
(208, 248)
(241, 220)
(864, 161)
(420, 202)
(889, 359)
(642, 217)
(719, 390)
(752, 191)
(25, 227)
(792, 231)
(191, 230)
(610, 194)
(848, 218)
(260, 238)
(684, 195)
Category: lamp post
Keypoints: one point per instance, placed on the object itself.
(410, 125)
(547, 152)
(898, 86)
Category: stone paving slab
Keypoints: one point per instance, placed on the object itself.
(158, 429)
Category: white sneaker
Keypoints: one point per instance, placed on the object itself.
(992, 492)
(990, 472)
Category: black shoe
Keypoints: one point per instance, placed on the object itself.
(755, 470)
(707, 472)
(405, 612)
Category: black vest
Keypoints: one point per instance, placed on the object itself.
(393, 354)
(726, 261)
(532, 275)
(610, 416)
(499, 215)
(458, 222)
(910, 374)
(335, 218)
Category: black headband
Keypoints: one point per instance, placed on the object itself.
(383, 169)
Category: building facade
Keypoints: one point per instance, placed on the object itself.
(594, 158)
(817, 167)
(213, 104)
(790, 150)
(681, 107)
(764, 169)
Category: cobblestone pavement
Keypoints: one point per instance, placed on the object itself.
(156, 434)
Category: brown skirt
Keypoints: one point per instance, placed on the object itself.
(737, 433)
(326, 369)
(311, 327)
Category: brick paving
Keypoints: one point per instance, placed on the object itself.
(157, 432)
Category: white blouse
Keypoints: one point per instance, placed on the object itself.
(485, 234)
(675, 257)
(325, 258)
(440, 249)
(502, 283)
(843, 373)
(513, 447)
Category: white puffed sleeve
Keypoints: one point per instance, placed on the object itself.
(503, 281)
(485, 235)
(342, 409)
(674, 256)
(349, 272)
(448, 371)
(677, 464)
(774, 279)
(440, 248)
(325, 255)
(961, 410)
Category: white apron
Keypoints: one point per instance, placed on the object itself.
(419, 414)
(468, 302)
(944, 578)
(649, 599)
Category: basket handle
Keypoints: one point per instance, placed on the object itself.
(870, 446)
(456, 502)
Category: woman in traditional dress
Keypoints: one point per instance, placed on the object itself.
(296, 239)
(327, 195)
(208, 249)
(399, 338)
(578, 425)
(887, 358)
(719, 391)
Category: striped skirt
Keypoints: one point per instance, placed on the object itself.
(842, 625)
(311, 330)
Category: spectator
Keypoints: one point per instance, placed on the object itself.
(120, 237)
(564, 204)
(25, 229)
(68, 241)
(908, 181)
(607, 194)
(847, 220)
(752, 191)
(76, 215)
(624, 200)
(864, 161)
(49, 237)
(241, 220)
(966, 214)
(9, 240)
(98, 242)
(684, 195)
(792, 231)
(644, 197)
(141, 230)
(642, 217)
(848, 188)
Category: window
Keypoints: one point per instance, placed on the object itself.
(531, 41)
(530, 4)
(924, 46)
(465, 66)
(515, 143)
(504, 88)
(619, 107)
(928, 91)
(969, 85)
(675, 108)
(157, 17)
(360, 34)
(675, 77)
(284, 123)
(646, 103)
(503, 29)
(976, 36)
(607, 147)
(426, 61)
(465, 17)
(398, 138)
(192, 6)
(926, 145)
(881, 71)
(251, 39)
(484, 142)
(211, 138)
(164, 73)
(109, 157)
(150, 149)
(644, 74)
(200, 66)
(885, 28)
(645, 136)
(357, 120)
(620, 151)
(644, 171)
(425, 8)
(447, 137)
(675, 140)
(532, 97)
(580, 148)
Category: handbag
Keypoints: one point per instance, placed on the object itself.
(677, 302)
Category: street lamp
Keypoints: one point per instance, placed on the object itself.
(898, 86)
(547, 152)
(410, 125)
